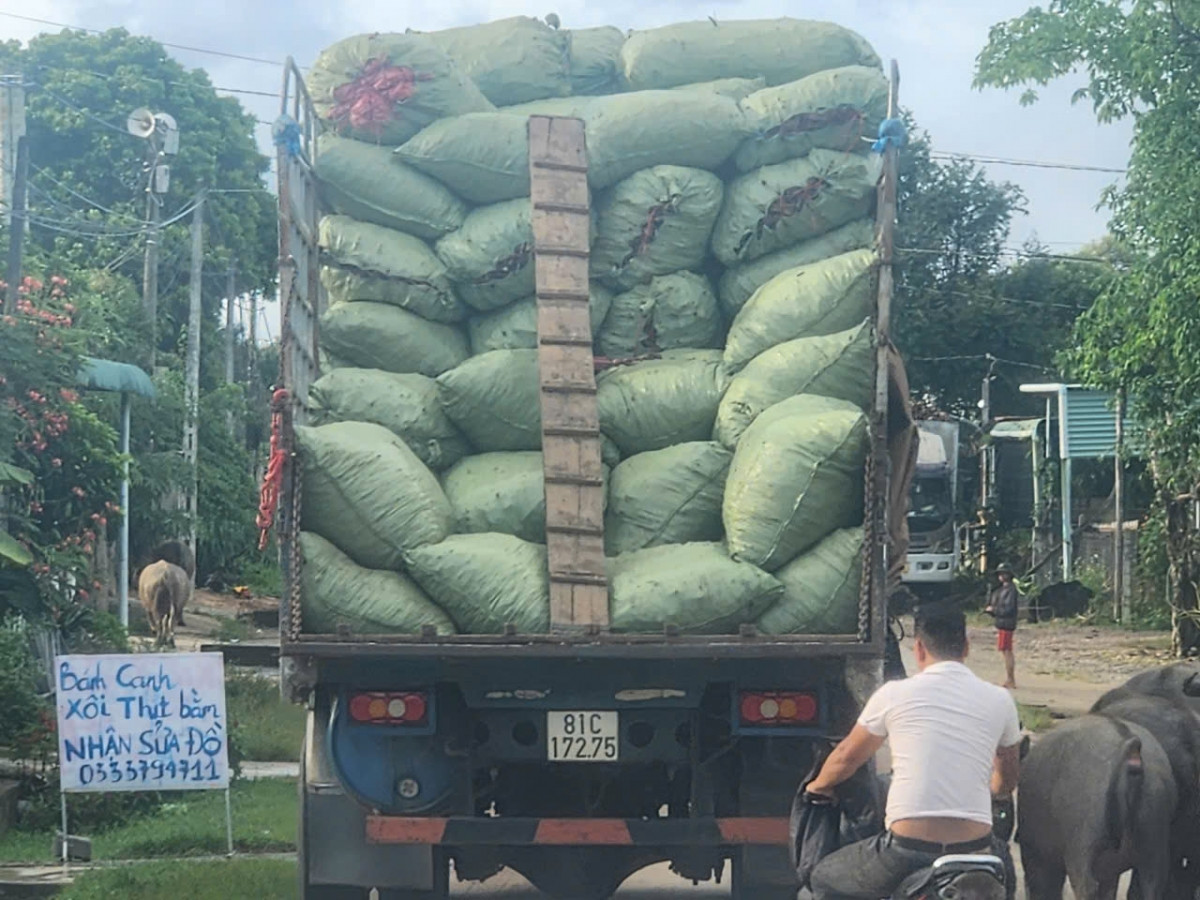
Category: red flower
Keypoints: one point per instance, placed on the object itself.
(78, 492)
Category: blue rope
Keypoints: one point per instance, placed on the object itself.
(286, 134)
(891, 134)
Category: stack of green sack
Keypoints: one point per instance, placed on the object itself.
(733, 285)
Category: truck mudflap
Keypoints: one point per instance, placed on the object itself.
(518, 832)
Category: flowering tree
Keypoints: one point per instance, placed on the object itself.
(58, 460)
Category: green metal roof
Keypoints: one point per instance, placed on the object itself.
(1015, 429)
(122, 378)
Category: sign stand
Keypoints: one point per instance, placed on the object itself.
(66, 842)
(228, 821)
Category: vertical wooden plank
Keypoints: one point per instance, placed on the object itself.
(572, 468)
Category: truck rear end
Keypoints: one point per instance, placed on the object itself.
(579, 755)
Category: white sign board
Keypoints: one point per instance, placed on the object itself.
(142, 722)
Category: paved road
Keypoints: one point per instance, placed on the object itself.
(658, 883)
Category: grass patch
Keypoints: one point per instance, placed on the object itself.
(262, 879)
(265, 727)
(192, 824)
(1035, 718)
(232, 630)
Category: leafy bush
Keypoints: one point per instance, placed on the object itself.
(22, 709)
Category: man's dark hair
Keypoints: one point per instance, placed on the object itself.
(943, 631)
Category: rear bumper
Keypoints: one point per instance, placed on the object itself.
(929, 568)
(518, 832)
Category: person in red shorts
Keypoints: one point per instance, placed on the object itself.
(1004, 604)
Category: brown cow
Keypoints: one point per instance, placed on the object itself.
(163, 589)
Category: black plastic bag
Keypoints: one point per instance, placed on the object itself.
(815, 830)
(820, 825)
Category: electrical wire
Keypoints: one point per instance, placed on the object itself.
(980, 356)
(222, 53)
(1027, 163)
(88, 200)
(85, 113)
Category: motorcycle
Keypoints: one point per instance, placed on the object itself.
(956, 878)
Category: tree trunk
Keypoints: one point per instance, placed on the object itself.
(1181, 558)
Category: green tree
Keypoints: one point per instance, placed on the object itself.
(88, 179)
(953, 306)
(1140, 60)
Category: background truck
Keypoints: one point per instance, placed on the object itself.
(933, 501)
(577, 756)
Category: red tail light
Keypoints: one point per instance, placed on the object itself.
(767, 708)
(380, 708)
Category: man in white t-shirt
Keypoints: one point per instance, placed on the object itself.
(955, 744)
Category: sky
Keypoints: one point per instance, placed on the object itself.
(934, 41)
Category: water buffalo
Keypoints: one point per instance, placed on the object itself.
(1164, 702)
(177, 553)
(1096, 798)
(163, 589)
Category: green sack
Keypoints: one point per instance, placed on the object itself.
(835, 109)
(670, 313)
(738, 284)
(349, 86)
(491, 257)
(365, 491)
(630, 132)
(571, 107)
(779, 50)
(486, 581)
(654, 404)
(595, 58)
(695, 587)
(336, 592)
(654, 222)
(821, 589)
(482, 157)
(406, 405)
(779, 206)
(512, 60)
(736, 89)
(797, 474)
(669, 496)
(839, 365)
(514, 327)
(495, 399)
(369, 262)
(499, 492)
(823, 298)
(371, 184)
(378, 336)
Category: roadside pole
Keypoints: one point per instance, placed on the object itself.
(192, 385)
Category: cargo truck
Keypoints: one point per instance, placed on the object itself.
(578, 756)
(933, 504)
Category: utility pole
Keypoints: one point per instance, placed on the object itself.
(16, 230)
(192, 384)
(985, 462)
(230, 279)
(1120, 606)
(12, 129)
(150, 263)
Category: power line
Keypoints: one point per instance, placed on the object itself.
(1029, 163)
(190, 49)
(74, 193)
(1003, 251)
(980, 356)
(86, 114)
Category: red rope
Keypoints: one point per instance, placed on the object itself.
(268, 496)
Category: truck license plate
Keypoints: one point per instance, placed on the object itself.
(582, 736)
